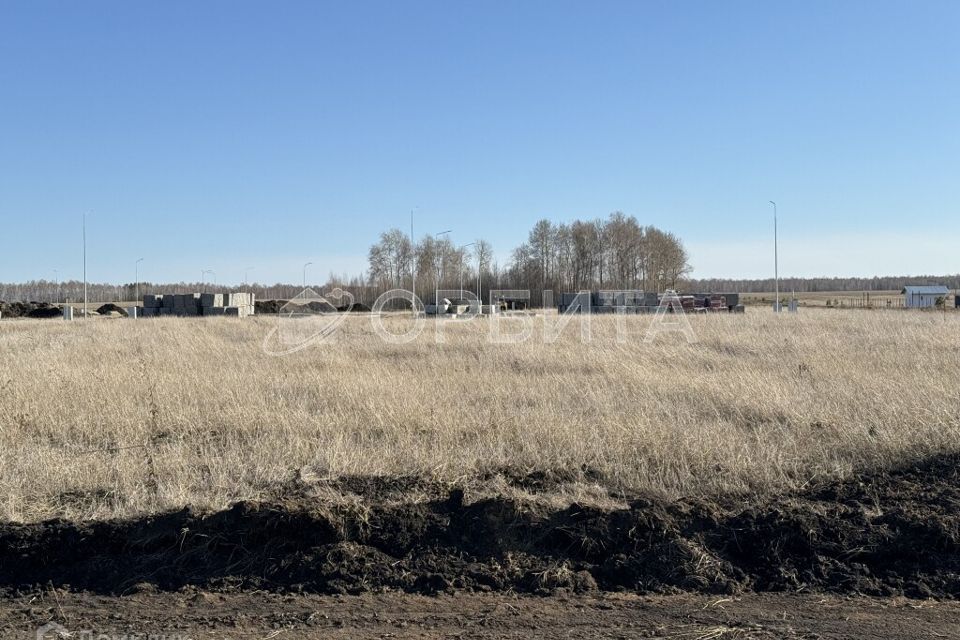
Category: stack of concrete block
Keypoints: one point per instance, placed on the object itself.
(152, 305)
(211, 304)
(627, 301)
(186, 304)
(238, 305)
(211, 300)
(580, 301)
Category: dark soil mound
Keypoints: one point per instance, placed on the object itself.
(889, 533)
(30, 310)
(44, 310)
(14, 309)
(320, 306)
(356, 307)
(268, 306)
(312, 306)
(109, 308)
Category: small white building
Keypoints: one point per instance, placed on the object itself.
(925, 296)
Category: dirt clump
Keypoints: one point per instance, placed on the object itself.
(356, 307)
(110, 309)
(29, 310)
(893, 532)
(268, 306)
(44, 310)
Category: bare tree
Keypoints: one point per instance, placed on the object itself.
(614, 253)
(390, 258)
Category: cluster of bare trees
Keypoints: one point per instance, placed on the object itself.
(69, 290)
(616, 253)
(434, 262)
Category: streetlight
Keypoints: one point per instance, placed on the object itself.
(479, 277)
(203, 276)
(776, 270)
(245, 273)
(305, 274)
(84, 266)
(413, 266)
(56, 279)
(472, 244)
(136, 280)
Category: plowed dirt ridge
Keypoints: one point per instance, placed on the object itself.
(890, 533)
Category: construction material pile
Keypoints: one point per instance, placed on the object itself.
(237, 305)
(647, 302)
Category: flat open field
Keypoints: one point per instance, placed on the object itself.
(115, 418)
(815, 452)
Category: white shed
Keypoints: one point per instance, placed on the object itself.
(924, 297)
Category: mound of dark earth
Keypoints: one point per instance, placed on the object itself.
(297, 306)
(356, 307)
(14, 309)
(895, 532)
(109, 308)
(44, 310)
(29, 310)
(268, 306)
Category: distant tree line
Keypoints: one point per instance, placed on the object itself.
(814, 285)
(72, 290)
(615, 253)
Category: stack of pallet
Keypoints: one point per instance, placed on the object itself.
(238, 305)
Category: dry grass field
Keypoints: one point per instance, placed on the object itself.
(109, 418)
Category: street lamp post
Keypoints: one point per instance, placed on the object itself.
(305, 274)
(246, 272)
(136, 281)
(203, 276)
(479, 280)
(56, 279)
(776, 269)
(84, 266)
(413, 268)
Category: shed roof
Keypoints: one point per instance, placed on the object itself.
(929, 290)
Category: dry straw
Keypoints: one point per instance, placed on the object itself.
(116, 418)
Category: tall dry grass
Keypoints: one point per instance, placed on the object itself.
(117, 417)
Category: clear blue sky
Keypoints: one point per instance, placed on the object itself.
(231, 134)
